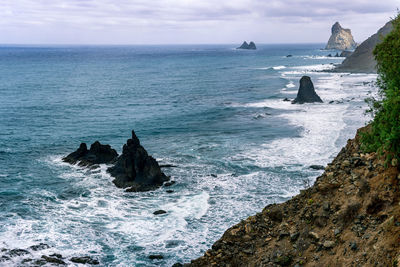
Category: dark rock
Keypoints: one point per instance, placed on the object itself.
(40, 246)
(52, 260)
(289, 56)
(275, 213)
(18, 252)
(85, 260)
(56, 255)
(337, 54)
(177, 265)
(136, 169)
(330, 55)
(167, 184)
(353, 245)
(245, 45)
(4, 258)
(346, 53)
(331, 102)
(214, 175)
(294, 236)
(97, 154)
(306, 93)
(317, 167)
(286, 99)
(158, 212)
(169, 191)
(168, 166)
(156, 257)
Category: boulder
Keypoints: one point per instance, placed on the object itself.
(136, 169)
(306, 93)
(341, 39)
(97, 154)
(245, 45)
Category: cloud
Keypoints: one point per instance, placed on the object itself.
(36, 19)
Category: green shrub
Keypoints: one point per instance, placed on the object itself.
(384, 135)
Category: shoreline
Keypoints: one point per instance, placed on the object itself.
(346, 218)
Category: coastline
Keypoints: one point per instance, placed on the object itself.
(349, 217)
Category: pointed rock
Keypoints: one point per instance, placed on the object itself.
(306, 93)
(341, 39)
(245, 45)
(136, 169)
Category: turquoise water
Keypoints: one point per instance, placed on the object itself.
(215, 112)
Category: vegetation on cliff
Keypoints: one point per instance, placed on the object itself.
(385, 127)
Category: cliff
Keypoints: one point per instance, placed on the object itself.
(349, 217)
(341, 39)
(362, 60)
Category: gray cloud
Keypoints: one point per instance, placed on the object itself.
(184, 21)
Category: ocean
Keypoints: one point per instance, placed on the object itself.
(215, 112)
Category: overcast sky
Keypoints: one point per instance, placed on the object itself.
(187, 21)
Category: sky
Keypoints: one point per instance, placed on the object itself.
(187, 21)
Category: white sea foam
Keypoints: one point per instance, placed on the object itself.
(279, 67)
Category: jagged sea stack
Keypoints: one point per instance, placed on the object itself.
(306, 93)
(341, 39)
(250, 46)
(135, 169)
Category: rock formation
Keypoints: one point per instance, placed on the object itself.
(341, 39)
(136, 169)
(306, 93)
(97, 154)
(362, 60)
(245, 45)
(345, 53)
(349, 217)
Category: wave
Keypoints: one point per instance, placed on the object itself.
(279, 67)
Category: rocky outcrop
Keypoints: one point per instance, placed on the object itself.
(97, 154)
(349, 217)
(306, 93)
(345, 53)
(362, 60)
(341, 39)
(245, 45)
(135, 169)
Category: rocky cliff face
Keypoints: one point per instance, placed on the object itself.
(341, 38)
(362, 60)
(349, 217)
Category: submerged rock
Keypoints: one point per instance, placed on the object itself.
(97, 154)
(136, 169)
(306, 93)
(85, 260)
(341, 38)
(159, 212)
(245, 45)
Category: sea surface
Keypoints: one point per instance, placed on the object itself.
(215, 112)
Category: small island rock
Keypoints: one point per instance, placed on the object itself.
(245, 45)
(97, 154)
(341, 38)
(306, 93)
(136, 169)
